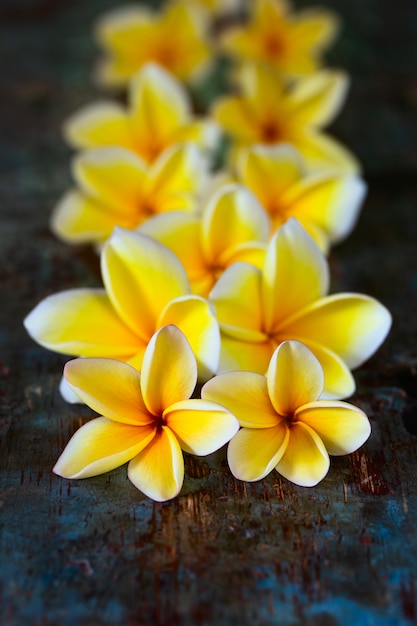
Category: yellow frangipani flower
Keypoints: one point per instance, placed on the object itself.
(175, 38)
(145, 288)
(146, 418)
(159, 115)
(219, 7)
(267, 111)
(233, 227)
(290, 43)
(286, 299)
(326, 204)
(285, 424)
(117, 188)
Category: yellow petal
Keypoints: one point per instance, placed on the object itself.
(236, 118)
(305, 461)
(342, 427)
(253, 453)
(169, 370)
(322, 151)
(268, 171)
(158, 470)
(245, 394)
(109, 387)
(330, 201)
(252, 252)
(115, 177)
(237, 354)
(338, 380)
(180, 232)
(97, 125)
(158, 106)
(295, 274)
(316, 100)
(317, 28)
(81, 322)
(294, 376)
(101, 445)
(141, 276)
(195, 317)
(233, 216)
(351, 325)
(204, 132)
(237, 300)
(180, 169)
(201, 427)
(79, 219)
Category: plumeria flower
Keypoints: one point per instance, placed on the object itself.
(115, 187)
(327, 204)
(233, 227)
(268, 111)
(159, 115)
(146, 418)
(175, 38)
(219, 8)
(145, 288)
(291, 43)
(285, 424)
(287, 299)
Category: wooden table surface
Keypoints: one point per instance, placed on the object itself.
(97, 552)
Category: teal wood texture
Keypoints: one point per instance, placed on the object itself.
(98, 553)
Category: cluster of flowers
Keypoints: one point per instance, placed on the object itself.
(214, 323)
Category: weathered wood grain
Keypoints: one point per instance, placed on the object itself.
(97, 552)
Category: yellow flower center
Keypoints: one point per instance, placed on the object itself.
(274, 45)
(159, 422)
(270, 132)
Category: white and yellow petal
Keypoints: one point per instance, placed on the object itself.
(342, 427)
(305, 461)
(353, 326)
(82, 322)
(141, 276)
(158, 470)
(196, 318)
(241, 354)
(113, 176)
(109, 387)
(295, 377)
(245, 394)
(169, 370)
(295, 274)
(99, 124)
(253, 453)
(100, 446)
(201, 427)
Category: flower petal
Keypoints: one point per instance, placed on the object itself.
(81, 322)
(330, 201)
(233, 216)
(317, 99)
(195, 317)
(112, 388)
(305, 461)
(169, 370)
(101, 445)
(268, 171)
(295, 274)
(158, 106)
(238, 354)
(342, 427)
(141, 276)
(180, 169)
(76, 218)
(233, 114)
(158, 470)
(253, 453)
(245, 394)
(97, 125)
(114, 176)
(201, 427)
(294, 377)
(351, 325)
(237, 299)
(322, 151)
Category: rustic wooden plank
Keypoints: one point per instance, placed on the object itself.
(97, 552)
